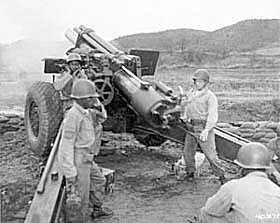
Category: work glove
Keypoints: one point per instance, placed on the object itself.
(204, 135)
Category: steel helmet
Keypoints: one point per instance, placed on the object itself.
(73, 57)
(201, 74)
(83, 88)
(253, 155)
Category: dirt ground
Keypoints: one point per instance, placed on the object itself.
(145, 190)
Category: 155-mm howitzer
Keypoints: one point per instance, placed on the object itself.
(133, 105)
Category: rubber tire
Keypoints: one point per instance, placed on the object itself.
(149, 139)
(49, 112)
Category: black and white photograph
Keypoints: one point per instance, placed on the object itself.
(139, 111)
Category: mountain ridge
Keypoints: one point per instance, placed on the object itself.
(177, 46)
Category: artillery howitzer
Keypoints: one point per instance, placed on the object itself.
(133, 105)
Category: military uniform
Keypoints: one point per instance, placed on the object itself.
(200, 110)
(251, 199)
(76, 153)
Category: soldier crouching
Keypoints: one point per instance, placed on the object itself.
(76, 153)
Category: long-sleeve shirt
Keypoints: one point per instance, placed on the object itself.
(251, 199)
(78, 132)
(201, 105)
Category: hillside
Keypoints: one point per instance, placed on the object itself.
(246, 35)
(162, 41)
(254, 43)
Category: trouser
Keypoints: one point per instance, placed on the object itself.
(89, 179)
(208, 148)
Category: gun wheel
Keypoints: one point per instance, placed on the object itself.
(42, 116)
(105, 90)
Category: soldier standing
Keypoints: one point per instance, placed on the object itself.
(200, 111)
(76, 153)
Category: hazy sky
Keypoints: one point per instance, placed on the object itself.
(49, 19)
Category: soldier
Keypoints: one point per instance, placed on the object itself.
(73, 72)
(76, 153)
(251, 199)
(274, 150)
(200, 110)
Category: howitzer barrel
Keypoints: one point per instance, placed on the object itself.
(100, 41)
(92, 42)
(89, 37)
(141, 96)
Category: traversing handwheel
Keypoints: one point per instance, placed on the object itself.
(105, 90)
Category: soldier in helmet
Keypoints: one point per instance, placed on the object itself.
(77, 150)
(253, 198)
(200, 111)
(73, 72)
